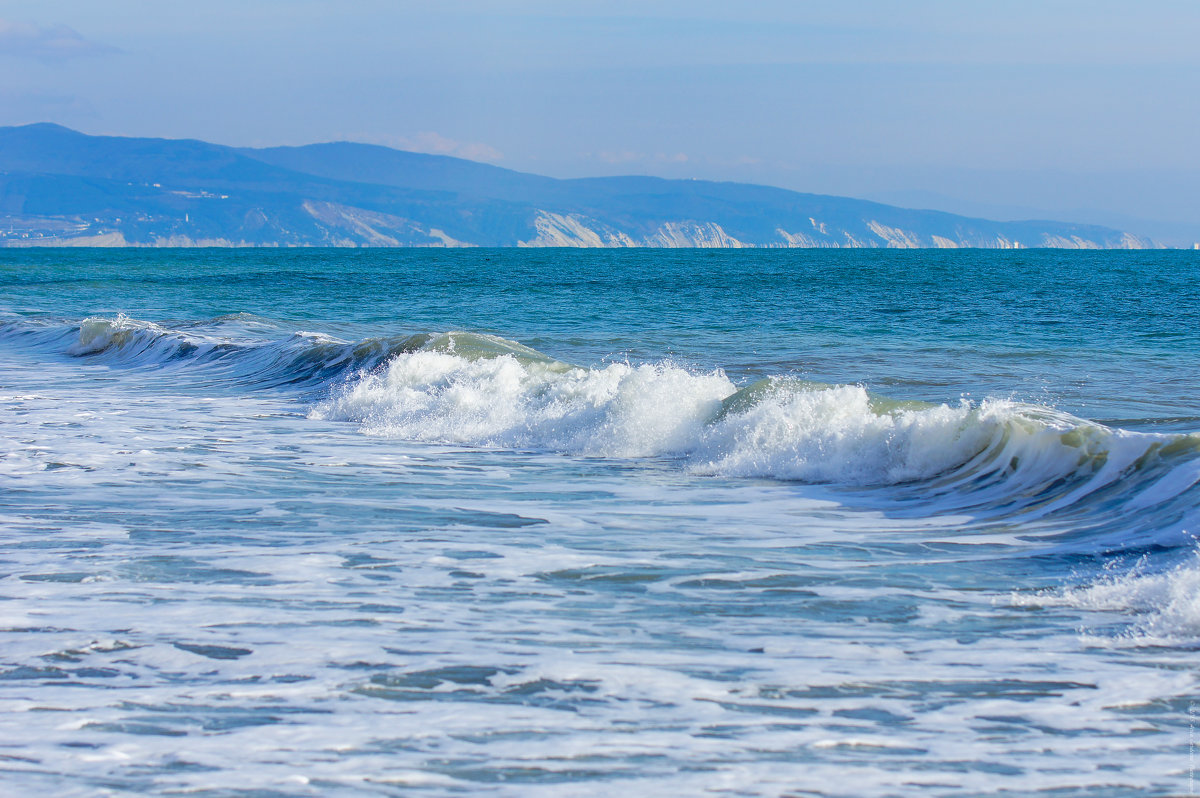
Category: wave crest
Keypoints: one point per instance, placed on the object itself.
(129, 338)
(617, 411)
(479, 389)
(778, 427)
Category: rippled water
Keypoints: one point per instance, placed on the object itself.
(567, 523)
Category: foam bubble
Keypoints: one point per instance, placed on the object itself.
(1165, 606)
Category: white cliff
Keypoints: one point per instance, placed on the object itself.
(693, 234)
(576, 230)
(362, 227)
(573, 230)
(894, 237)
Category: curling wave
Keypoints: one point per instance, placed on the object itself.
(1006, 456)
(300, 359)
(482, 390)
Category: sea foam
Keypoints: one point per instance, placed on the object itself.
(483, 390)
(784, 428)
(1165, 606)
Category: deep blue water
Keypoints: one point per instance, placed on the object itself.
(565, 522)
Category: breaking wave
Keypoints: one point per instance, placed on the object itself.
(483, 390)
(1088, 494)
(218, 348)
(1078, 485)
(1006, 457)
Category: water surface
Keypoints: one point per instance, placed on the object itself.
(570, 522)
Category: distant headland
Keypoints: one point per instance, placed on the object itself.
(59, 187)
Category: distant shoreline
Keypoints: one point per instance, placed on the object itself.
(62, 188)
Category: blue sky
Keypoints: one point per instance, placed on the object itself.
(1083, 108)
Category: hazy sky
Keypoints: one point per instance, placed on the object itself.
(1088, 106)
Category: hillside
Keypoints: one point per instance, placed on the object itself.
(59, 187)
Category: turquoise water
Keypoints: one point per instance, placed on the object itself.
(570, 522)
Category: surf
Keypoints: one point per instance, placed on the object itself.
(996, 458)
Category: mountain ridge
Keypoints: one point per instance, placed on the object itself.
(60, 187)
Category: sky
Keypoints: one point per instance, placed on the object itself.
(1088, 111)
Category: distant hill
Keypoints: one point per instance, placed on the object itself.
(59, 187)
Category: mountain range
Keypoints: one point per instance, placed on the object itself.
(59, 187)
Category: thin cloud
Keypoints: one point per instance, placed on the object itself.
(620, 156)
(55, 43)
(437, 144)
(25, 107)
(617, 157)
(441, 145)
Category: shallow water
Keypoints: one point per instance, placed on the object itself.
(560, 523)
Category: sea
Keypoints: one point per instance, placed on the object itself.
(598, 522)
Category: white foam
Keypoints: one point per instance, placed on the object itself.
(617, 411)
(1165, 606)
(786, 430)
(834, 435)
(762, 649)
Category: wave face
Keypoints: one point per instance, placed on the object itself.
(216, 349)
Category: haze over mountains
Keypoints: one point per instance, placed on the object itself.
(59, 187)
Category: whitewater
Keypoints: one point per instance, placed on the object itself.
(567, 523)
